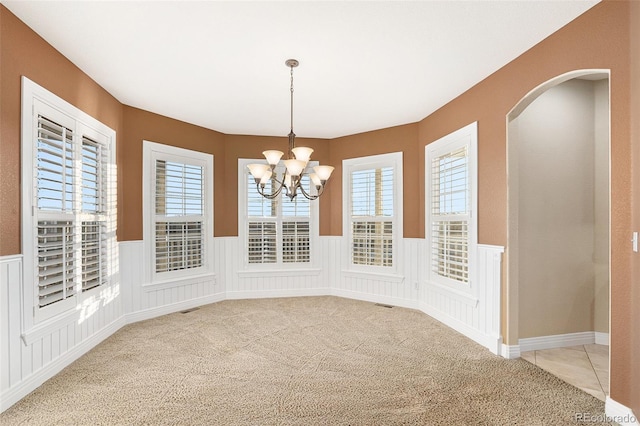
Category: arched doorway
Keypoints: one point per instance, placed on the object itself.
(558, 209)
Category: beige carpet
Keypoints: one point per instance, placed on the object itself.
(298, 361)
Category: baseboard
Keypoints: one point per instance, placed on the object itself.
(373, 298)
(601, 338)
(489, 342)
(510, 351)
(619, 413)
(174, 307)
(32, 382)
(556, 341)
(267, 294)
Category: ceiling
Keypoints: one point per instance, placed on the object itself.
(363, 65)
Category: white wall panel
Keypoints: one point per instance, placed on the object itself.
(30, 357)
(28, 360)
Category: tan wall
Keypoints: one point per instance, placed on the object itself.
(393, 139)
(23, 52)
(597, 39)
(141, 125)
(238, 146)
(633, 309)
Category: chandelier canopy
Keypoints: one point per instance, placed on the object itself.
(295, 165)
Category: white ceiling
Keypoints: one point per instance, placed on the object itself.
(363, 65)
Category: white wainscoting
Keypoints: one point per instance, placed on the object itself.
(28, 358)
(476, 315)
(27, 363)
(143, 301)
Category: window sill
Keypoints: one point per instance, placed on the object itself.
(177, 282)
(46, 327)
(354, 273)
(258, 273)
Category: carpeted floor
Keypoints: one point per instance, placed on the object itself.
(298, 361)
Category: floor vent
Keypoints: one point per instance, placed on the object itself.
(383, 305)
(189, 310)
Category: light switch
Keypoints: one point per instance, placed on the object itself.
(634, 241)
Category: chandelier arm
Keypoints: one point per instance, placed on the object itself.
(309, 196)
(273, 195)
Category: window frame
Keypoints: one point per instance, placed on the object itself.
(395, 161)
(38, 101)
(244, 179)
(152, 151)
(464, 137)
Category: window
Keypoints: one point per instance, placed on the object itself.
(278, 233)
(451, 205)
(69, 215)
(178, 211)
(372, 191)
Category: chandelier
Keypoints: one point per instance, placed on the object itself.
(295, 165)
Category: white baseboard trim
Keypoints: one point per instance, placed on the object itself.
(601, 338)
(489, 342)
(31, 383)
(373, 298)
(619, 413)
(268, 294)
(556, 341)
(174, 307)
(510, 351)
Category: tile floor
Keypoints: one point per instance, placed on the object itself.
(585, 367)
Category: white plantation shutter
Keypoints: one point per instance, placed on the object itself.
(278, 231)
(179, 216)
(295, 242)
(372, 212)
(94, 254)
(69, 215)
(263, 242)
(56, 262)
(54, 164)
(450, 214)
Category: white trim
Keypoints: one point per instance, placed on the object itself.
(510, 351)
(619, 413)
(268, 294)
(395, 160)
(556, 341)
(146, 314)
(150, 152)
(178, 282)
(373, 275)
(11, 258)
(601, 338)
(274, 273)
(465, 136)
(32, 382)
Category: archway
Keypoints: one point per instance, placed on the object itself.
(558, 209)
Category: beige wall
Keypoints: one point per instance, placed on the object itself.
(557, 194)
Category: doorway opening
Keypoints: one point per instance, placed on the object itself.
(558, 250)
